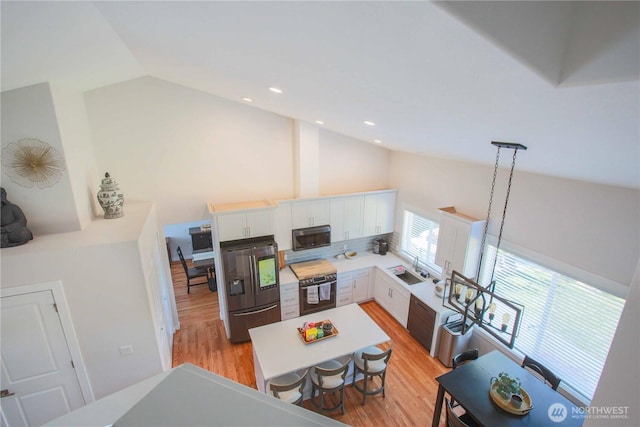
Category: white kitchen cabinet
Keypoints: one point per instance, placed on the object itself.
(344, 288)
(309, 213)
(459, 241)
(346, 217)
(289, 300)
(361, 285)
(392, 297)
(379, 209)
(353, 286)
(243, 220)
(242, 225)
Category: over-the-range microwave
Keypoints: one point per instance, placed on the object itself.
(311, 237)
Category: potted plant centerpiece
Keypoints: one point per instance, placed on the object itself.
(505, 385)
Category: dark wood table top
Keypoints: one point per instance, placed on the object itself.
(469, 385)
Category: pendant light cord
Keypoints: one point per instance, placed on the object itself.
(486, 223)
(504, 213)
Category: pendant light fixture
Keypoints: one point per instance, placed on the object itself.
(479, 304)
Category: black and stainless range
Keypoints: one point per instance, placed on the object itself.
(317, 282)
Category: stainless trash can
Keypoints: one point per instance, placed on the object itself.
(452, 341)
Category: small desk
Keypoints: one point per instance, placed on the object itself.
(278, 349)
(469, 385)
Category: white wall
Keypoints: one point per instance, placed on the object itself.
(29, 113)
(619, 385)
(80, 157)
(349, 165)
(182, 148)
(103, 280)
(589, 226)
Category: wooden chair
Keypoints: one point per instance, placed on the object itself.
(372, 362)
(328, 377)
(464, 357)
(455, 420)
(192, 272)
(541, 371)
(289, 387)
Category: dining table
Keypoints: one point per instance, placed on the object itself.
(204, 259)
(470, 386)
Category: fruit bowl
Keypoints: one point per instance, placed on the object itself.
(351, 254)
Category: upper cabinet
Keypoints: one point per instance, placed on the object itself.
(459, 241)
(351, 216)
(309, 213)
(244, 220)
(379, 209)
(347, 215)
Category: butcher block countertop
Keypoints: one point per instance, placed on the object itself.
(314, 268)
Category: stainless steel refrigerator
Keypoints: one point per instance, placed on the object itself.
(252, 284)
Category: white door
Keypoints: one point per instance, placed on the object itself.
(37, 370)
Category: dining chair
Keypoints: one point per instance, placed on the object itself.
(192, 272)
(289, 387)
(455, 420)
(459, 360)
(541, 371)
(372, 362)
(328, 377)
(464, 357)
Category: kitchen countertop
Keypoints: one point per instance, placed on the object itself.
(423, 291)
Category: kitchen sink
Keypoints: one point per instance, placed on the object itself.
(403, 274)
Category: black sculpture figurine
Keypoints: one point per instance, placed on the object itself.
(14, 224)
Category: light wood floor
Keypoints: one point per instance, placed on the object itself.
(411, 386)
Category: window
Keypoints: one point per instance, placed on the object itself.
(420, 238)
(567, 325)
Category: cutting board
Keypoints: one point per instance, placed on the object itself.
(318, 267)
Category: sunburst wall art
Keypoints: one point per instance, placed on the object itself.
(30, 162)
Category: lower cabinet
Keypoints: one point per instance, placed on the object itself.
(353, 286)
(392, 297)
(421, 322)
(361, 285)
(344, 285)
(289, 301)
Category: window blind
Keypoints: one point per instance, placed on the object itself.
(567, 325)
(420, 238)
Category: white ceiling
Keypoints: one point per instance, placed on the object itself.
(442, 79)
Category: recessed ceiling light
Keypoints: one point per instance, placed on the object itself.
(320, 122)
(378, 141)
(275, 90)
(247, 99)
(369, 123)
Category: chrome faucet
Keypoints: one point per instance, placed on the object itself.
(421, 271)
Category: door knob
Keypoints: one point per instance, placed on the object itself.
(6, 393)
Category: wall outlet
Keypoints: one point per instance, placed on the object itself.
(126, 350)
(344, 247)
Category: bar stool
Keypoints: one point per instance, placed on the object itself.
(329, 377)
(372, 362)
(289, 387)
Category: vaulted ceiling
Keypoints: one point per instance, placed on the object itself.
(438, 78)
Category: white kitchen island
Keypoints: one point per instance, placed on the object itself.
(278, 348)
